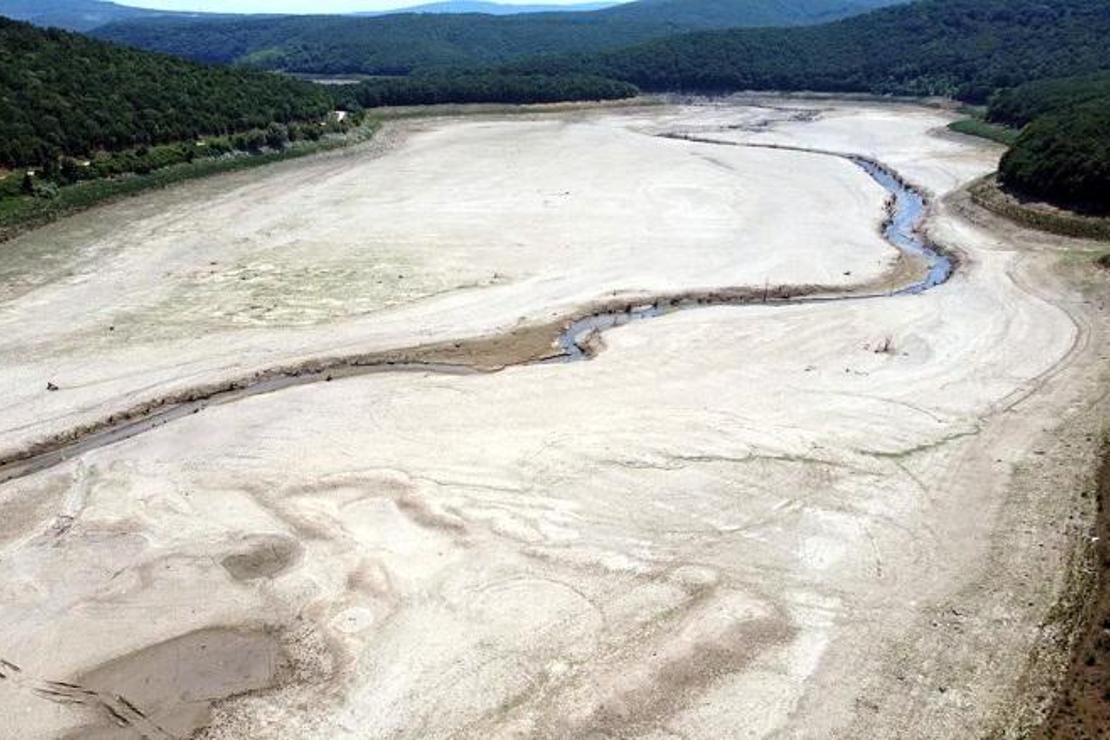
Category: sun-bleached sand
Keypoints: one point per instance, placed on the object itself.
(835, 519)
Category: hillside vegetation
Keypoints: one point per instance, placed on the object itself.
(1042, 64)
(1009, 52)
(404, 43)
(481, 87)
(1017, 106)
(64, 94)
(962, 48)
(389, 45)
(707, 14)
(1063, 154)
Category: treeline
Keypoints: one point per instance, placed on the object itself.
(482, 87)
(1017, 106)
(387, 45)
(65, 97)
(141, 160)
(961, 48)
(1002, 51)
(1063, 153)
(707, 14)
(62, 94)
(405, 43)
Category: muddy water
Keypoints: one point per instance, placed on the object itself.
(164, 691)
(903, 228)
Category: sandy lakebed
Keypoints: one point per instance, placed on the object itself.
(835, 518)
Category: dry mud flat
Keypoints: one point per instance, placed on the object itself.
(734, 521)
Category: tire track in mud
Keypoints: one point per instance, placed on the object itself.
(574, 337)
(114, 708)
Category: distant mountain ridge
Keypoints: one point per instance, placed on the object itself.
(486, 8)
(403, 43)
(85, 15)
(79, 15)
(966, 49)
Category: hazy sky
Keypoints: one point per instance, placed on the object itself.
(298, 6)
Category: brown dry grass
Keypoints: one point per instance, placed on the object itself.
(1082, 709)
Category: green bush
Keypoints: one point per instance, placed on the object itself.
(1064, 157)
(1017, 106)
(982, 129)
(65, 95)
(486, 87)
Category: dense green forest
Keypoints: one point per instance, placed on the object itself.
(481, 87)
(85, 15)
(962, 48)
(390, 45)
(706, 14)
(61, 93)
(404, 43)
(1017, 106)
(64, 96)
(1042, 64)
(1063, 152)
(1004, 51)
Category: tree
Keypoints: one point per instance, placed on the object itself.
(64, 94)
(70, 170)
(277, 136)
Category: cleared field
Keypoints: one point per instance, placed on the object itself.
(810, 520)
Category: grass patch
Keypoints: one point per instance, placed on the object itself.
(451, 110)
(987, 194)
(1082, 708)
(19, 213)
(976, 126)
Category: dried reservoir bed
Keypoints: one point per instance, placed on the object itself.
(808, 517)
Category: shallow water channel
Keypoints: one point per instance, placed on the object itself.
(908, 208)
(902, 229)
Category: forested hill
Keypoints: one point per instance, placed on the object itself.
(85, 15)
(707, 14)
(963, 48)
(1063, 152)
(1017, 106)
(387, 45)
(74, 15)
(401, 44)
(61, 93)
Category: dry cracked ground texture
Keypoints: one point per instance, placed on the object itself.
(733, 522)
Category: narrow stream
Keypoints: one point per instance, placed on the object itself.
(902, 230)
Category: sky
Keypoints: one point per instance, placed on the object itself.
(299, 6)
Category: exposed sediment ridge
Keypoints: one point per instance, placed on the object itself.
(572, 337)
(145, 695)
